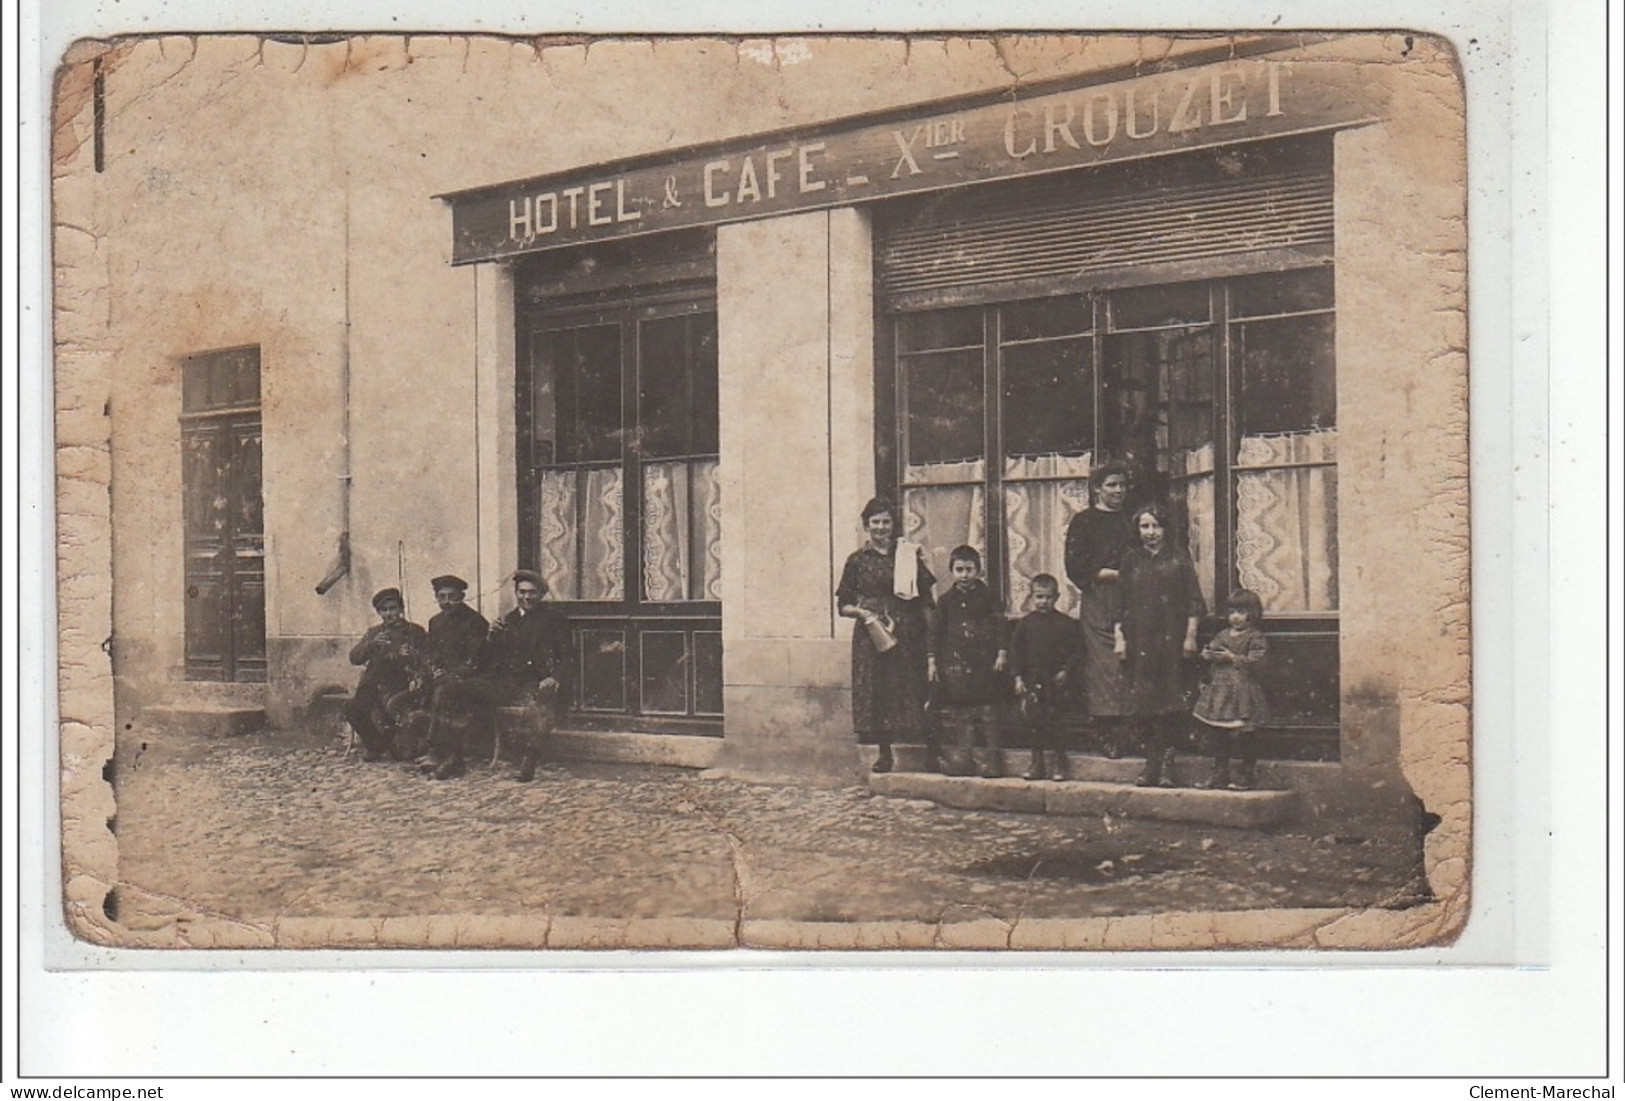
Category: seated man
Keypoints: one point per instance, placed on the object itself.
(391, 651)
(520, 665)
(456, 637)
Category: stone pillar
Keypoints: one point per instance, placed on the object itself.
(795, 321)
(494, 437)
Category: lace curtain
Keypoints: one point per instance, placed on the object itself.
(581, 554)
(940, 515)
(682, 531)
(1042, 493)
(1286, 520)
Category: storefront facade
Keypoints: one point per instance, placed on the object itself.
(679, 375)
(1142, 270)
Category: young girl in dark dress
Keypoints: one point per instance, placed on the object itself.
(887, 600)
(1162, 605)
(1231, 703)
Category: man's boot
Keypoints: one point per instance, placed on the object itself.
(450, 768)
(527, 766)
(988, 763)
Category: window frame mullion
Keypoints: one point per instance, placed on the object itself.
(993, 450)
(1226, 440)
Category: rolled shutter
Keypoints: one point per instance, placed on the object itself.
(1195, 216)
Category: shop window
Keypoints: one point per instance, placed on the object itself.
(677, 425)
(1219, 395)
(620, 504)
(576, 418)
(1283, 340)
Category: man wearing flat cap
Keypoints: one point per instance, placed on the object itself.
(456, 636)
(521, 664)
(392, 651)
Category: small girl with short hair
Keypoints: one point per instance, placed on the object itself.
(1231, 704)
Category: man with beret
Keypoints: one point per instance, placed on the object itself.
(391, 650)
(521, 665)
(456, 636)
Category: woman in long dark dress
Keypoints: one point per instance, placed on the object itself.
(888, 687)
(1162, 606)
(1096, 540)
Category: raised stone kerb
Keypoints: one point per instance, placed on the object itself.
(1237, 809)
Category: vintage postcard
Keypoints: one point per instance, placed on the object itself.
(979, 492)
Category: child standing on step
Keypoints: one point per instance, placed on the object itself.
(1046, 649)
(1231, 704)
(967, 660)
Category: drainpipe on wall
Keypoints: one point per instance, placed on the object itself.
(342, 565)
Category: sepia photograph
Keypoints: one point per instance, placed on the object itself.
(1001, 493)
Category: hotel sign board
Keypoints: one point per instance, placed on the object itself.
(938, 148)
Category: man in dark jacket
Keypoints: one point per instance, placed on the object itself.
(391, 650)
(456, 636)
(520, 665)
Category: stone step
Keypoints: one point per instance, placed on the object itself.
(1092, 798)
(206, 718)
(671, 750)
(1080, 766)
(186, 693)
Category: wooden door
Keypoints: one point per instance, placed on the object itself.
(224, 517)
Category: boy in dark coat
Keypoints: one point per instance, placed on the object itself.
(967, 660)
(1046, 650)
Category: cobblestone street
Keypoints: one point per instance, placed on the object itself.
(263, 828)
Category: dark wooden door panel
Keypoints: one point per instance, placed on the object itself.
(225, 548)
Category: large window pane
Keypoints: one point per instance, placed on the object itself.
(1156, 390)
(664, 386)
(1288, 374)
(943, 407)
(576, 395)
(1049, 399)
(677, 385)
